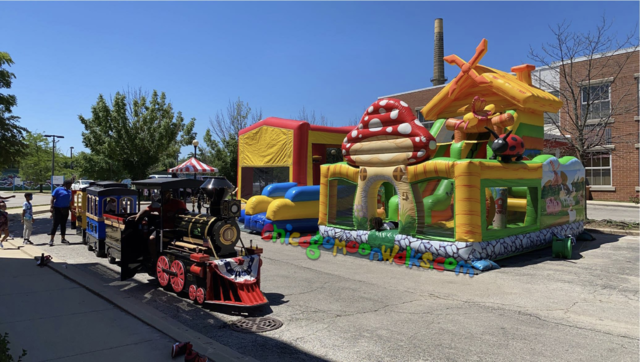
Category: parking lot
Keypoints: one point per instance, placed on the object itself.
(344, 308)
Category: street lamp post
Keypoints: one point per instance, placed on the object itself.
(53, 155)
(195, 153)
(71, 165)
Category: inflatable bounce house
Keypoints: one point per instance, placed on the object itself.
(473, 188)
(278, 162)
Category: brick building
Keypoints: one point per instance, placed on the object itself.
(613, 166)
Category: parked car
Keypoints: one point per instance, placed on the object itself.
(80, 184)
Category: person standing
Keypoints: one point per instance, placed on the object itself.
(27, 219)
(60, 203)
(4, 223)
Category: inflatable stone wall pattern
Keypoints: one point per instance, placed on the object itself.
(466, 251)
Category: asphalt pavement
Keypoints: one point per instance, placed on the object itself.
(38, 198)
(343, 308)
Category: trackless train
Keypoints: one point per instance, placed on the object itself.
(188, 252)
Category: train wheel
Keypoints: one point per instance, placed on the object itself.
(89, 247)
(177, 282)
(163, 278)
(192, 292)
(201, 294)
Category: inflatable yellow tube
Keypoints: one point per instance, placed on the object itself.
(258, 204)
(468, 208)
(285, 209)
(519, 205)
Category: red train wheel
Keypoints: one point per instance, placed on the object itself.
(201, 294)
(163, 278)
(192, 292)
(177, 281)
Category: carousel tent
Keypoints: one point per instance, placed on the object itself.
(193, 166)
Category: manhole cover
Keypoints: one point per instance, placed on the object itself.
(256, 324)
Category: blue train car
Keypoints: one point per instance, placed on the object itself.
(114, 199)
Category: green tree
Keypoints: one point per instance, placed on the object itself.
(96, 168)
(35, 160)
(133, 131)
(35, 163)
(5, 351)
(11, 134)
(187, 136)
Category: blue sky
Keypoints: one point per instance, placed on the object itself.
(332, 57)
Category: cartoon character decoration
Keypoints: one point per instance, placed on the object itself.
(553, 206)
(572, 214)
(567, 196)
(557, 179)
(480, 117)
(507, 146)
(389, 134)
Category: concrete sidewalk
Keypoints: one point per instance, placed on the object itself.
(53, 318)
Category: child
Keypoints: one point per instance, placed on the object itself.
(4, 223)
(27, 219)
(379, 224)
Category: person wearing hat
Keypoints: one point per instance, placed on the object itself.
(60, 204)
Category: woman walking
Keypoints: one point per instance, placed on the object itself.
(60, 202)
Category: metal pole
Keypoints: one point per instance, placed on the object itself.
(53, 155)
(53, 160)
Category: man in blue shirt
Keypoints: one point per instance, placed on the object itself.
(60, 203)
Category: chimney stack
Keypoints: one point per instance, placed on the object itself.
(438, 55)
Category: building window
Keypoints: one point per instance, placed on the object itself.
(552, 118)
(427, 124)
(598, 169)
(598, 97)
(601, 137)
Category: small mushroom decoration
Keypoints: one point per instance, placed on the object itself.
(388, 135)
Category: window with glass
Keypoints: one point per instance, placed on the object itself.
(598, 169)
(425, 122)
(598, 99)
(552, 118)
(597, 135)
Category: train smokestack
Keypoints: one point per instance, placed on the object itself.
(438, 55)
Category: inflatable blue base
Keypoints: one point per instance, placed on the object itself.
(258, 222)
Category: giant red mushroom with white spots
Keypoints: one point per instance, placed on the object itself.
(388, 134)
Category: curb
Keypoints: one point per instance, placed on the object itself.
(204, 345)
(614, 204)
(614, 231)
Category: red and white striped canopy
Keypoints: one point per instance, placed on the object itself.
(193, 166)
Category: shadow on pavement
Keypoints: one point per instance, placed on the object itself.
(211, 320)
(206, 320)
(545, 254)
